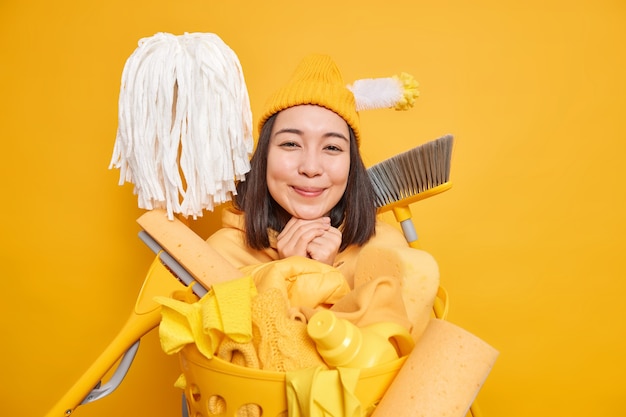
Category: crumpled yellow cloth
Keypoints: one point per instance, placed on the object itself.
(303, 281)
(224, 310)
(318, 392)
(378, 300)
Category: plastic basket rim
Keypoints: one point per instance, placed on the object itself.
(193, 356)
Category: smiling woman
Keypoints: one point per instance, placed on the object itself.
(308, 161)
(307, 193)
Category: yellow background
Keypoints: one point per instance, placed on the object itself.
(530, 239)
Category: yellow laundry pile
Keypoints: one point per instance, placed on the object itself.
(299, 317)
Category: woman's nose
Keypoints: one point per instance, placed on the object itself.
(310, 165)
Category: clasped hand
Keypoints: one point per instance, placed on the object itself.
(315, 239)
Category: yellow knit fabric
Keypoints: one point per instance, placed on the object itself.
(242, 354)
(281, 342)
(317, 80)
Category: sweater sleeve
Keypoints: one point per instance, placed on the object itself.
(229, 241)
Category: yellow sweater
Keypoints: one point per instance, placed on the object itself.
(229, 241)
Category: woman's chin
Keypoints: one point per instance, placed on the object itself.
(309, 214)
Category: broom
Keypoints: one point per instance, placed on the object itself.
(407, 178)
(411, 176)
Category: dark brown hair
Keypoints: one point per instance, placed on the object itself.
(355, 213)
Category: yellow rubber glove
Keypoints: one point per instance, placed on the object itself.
(316, 392)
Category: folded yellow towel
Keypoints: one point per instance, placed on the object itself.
(317, 392)
(224, 310)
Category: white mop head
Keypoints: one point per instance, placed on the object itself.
(184, 133)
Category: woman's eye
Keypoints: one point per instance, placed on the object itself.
(289, 144)
(333, 148)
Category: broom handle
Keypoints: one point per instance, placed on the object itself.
(403, 216)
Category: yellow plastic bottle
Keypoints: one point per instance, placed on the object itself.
(342, 344)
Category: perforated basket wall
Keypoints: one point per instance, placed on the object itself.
(217, 388)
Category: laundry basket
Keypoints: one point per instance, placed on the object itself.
(215, 387)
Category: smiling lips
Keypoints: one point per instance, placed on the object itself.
(308, 191)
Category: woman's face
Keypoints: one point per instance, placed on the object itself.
(308, 160)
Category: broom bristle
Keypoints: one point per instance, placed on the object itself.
(412, 172)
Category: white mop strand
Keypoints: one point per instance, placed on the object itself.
(207, 126)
